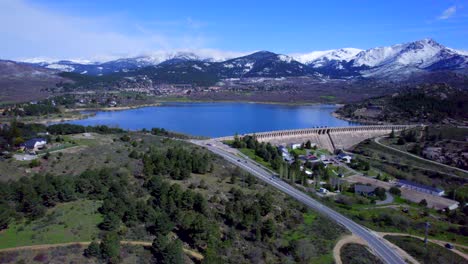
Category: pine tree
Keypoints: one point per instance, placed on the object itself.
(93, 250)
(110, 247)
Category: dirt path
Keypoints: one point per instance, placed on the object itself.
(357, 240)
(435, 241)
(189, 252)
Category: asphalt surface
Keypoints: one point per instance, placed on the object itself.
(380, 247)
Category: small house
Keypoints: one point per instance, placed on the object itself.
(365, 190)
(283, 149)
(322, 190)
(34, 144)
(345, 157)
(296, 146)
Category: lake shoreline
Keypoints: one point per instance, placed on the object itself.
(94, 110)
(215, 119)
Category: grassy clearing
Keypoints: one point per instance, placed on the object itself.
(323, 235)
(298, 151)
(251, 154)
(328, 97)
(69, 222)
(432, 254)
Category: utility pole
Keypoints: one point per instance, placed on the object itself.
(427, 225)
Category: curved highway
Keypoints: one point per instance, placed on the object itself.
(380, 247)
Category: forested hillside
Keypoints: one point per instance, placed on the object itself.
(430, 103)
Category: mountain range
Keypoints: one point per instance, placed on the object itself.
(394, 62)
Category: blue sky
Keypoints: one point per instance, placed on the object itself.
(102, 29)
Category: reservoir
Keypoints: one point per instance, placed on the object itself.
(219, 119)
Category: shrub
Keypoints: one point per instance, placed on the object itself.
(41, 257)
(423, 202)
(395, 190)
(93, 250)
(34, 163)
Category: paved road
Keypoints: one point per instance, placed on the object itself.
(377, 243)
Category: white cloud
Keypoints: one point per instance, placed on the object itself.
(29, 30)
(448, 13)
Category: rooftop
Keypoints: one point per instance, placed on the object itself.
(422, 186)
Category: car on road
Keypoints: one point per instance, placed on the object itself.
(449, 246)
(239, 160)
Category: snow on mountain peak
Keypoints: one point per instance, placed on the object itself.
(285, 58)
(317, 58)
(421, 52)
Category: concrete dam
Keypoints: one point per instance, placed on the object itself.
(330, 138)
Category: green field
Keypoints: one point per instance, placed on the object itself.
(251, 154)
(68, 222)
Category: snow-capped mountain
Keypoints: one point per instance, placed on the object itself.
(131, 63)
(395, 61)
(318, 59)
(261, 64)
(422, 55)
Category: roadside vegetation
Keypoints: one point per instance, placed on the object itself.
(427, 103)
(409, 168)
(271, 157)
(443, 144)
(358, 254)
(431, 253)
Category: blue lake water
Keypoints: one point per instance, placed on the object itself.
(219, 119)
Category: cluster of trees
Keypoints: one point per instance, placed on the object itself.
(246, 212)
(266, 151)
(15, 133)
(30, 197)
(108, 250)
(407, 136)
(165, 133)
(272, 155)
(178, 162)
(169, 209)
(359, 164)
(44, 107)
(66, 129)
(184, 212)
(422, 103)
